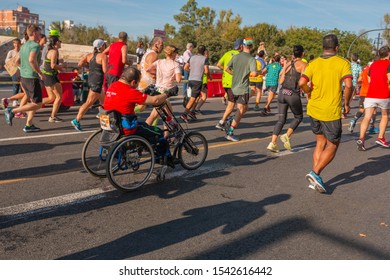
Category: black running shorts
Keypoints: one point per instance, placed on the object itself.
(32, 88)
(331, 129)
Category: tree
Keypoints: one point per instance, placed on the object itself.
(386, 33)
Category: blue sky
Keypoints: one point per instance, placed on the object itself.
(140, 17)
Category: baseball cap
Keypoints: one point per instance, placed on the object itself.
(248, 42)
(237, 44)
(98, 43)
(54, 32)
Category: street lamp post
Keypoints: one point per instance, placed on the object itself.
(378, 42)
(350, 46)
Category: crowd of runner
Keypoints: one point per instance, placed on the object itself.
(329, 82)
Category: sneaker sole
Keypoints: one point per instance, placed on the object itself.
(313, 182)
(361, 147)
(273, 151)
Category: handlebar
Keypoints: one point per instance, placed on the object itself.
(152, 90)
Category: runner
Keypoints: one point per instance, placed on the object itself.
(227, 79)
(117, 58)
(378, 95)
(364, 80)
(97, 62)
(52, 83)
(196, 66)
(30, 75)
(271, 82)
(242, 65)
(326, 75)
(289, 97)
(256, 83)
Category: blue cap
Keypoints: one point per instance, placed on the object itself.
(237, 44)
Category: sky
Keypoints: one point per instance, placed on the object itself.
(141, 17)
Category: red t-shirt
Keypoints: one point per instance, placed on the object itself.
(123, 98)
(115, 64)
(379, 84)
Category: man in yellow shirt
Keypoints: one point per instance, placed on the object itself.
(326, 75)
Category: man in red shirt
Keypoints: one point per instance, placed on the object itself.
(117, 58)
(378, 95)
(122, 96)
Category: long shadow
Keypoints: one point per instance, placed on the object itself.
(19, 149)
(261, 239)
(231, 216)
(372, 167)
(45, 170)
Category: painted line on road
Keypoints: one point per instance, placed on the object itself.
(45, 136)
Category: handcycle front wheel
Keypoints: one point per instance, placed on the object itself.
(94, 155)
(192, 152)
(130, 163)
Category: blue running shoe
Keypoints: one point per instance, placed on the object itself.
(316, 181)
(76, 125)
(373, 130)
(8, 115)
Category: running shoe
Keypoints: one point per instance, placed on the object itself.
(257, 108)
(232, 137)
(311, 187)
(352, 125)
(184, 118)
(273, 147)
(265, 112)
(373, 130)
(286, 141)
(31, 128)
(20, 115)
(55, 119)
(316, 181)
(8, 116)
(76, 125)
(15, 103)
(220, 126)
(360, 145)
(382, 142)
(4, 103)
(98, 116)
(192, 115)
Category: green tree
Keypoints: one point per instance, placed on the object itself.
(386, 33)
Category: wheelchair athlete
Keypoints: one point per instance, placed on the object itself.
(122, 96)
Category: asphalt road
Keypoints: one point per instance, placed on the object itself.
(243, 203)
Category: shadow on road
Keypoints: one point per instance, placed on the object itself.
(228, 215)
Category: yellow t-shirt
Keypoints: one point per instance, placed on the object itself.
(258, 78)
(227, 79)
(326, 75)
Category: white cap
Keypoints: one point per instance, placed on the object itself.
(98, 43)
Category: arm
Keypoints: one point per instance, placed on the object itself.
(32, 59)
(229, 70)
(303, 84)
(107, 50)
(220, 65)
(187, 67)
(152, 68)
(104, 63)
(124, 55)
(156, 100)
(347, 94)
(53, 55)
(207, 72)
(83, 61)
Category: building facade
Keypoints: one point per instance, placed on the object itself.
(18, 20)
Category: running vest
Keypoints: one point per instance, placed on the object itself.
(291, 79)
(115, 64)
(47, 70)
(96, 74)
(146, 78)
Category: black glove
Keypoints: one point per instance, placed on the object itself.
(173, 91)
(151, 90)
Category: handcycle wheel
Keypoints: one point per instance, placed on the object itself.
(193, 151)
(94, 155)
(130, 163)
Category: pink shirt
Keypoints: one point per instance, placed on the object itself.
(166, 71)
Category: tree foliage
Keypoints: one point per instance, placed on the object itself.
(202, 25)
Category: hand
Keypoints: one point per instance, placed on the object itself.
(346, 109)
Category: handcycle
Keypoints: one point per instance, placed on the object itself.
(129, 161)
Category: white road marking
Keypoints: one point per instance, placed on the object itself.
(45, 136)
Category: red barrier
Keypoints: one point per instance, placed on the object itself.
(67, 91)
(215, 88)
